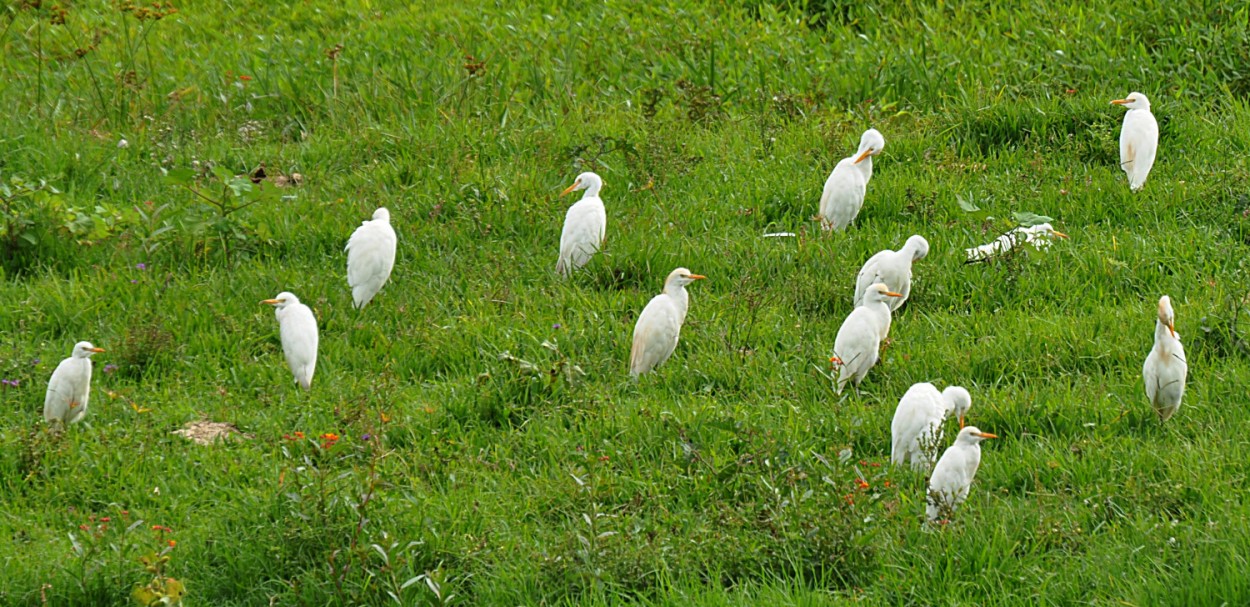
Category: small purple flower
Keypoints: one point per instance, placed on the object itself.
(109, 368)
(366, 437)
(34, 362)
(555, 326)
(141, 266)
(10, 382)
(134, 282)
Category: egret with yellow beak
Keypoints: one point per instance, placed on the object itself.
(69, 388)
(1166, 368)
(848, 183)
(953, 474)
(1139, 139)
(858, 344)
(659, 325)
(585, 225)
(297, 326)
(917, 427)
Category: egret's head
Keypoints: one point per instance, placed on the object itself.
(870, 144)
(879, 293)
(1166, 316)
(918, 246)
(680, 278)
(84, 349)
(382, 215)
(1134, 101)
(283, 300)
(1045, 229)
(970, 435)
(586, 181)
(957, 401)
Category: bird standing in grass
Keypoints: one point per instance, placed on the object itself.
(857, 347)
(848, 183)
(298, 329)
(1139, 139)
(584, 225)
(893, 269)
(370, 257)
(1165, 369)
(659, 326)
(917, 426)
(70, 387)
(953, 474)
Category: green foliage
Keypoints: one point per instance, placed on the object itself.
(477, 463)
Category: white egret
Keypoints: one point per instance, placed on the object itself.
(298, 329)
(584, 225)
(1165, 369)
(892, 268)
(370, 257)
(1139, 139)
(1039, 236)
(659, 326)
(952, 476)
(70, 386)
(857, 347)
(917, 426)
(848, 183)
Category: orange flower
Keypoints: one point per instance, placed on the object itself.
(172, 543)
(245, 78)
(330, 436)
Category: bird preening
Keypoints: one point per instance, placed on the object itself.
(847, 185)
(893, 269)
(916, 432)
(1165, 369)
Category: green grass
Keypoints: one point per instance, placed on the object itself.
(727, 477)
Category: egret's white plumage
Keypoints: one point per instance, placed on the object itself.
(297, 327)
(584, 225)
(1165, 369)
(848, 183)
(1139, 139)
(857, 346)
(953, 474)
(1039, 236)
(659, 326)
(893, 269)
(917, 427)
(370, 257)
(70, 386)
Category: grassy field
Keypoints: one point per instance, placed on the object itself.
(733, 475)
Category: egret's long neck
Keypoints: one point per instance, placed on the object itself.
(1163, 337)
(865, 167)
(592, 189)
(681, 299)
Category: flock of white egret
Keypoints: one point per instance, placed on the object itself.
(882, 287)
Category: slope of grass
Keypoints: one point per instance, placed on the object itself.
(734, 475)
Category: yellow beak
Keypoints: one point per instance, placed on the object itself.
(1121, 101)
(861, 157)
(97, 350)
(271, 301)
(697, 277)
(571, 188)
(986, 435)
(1058, 233)
(892, 294)
(1172, 329)
(961, 422)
